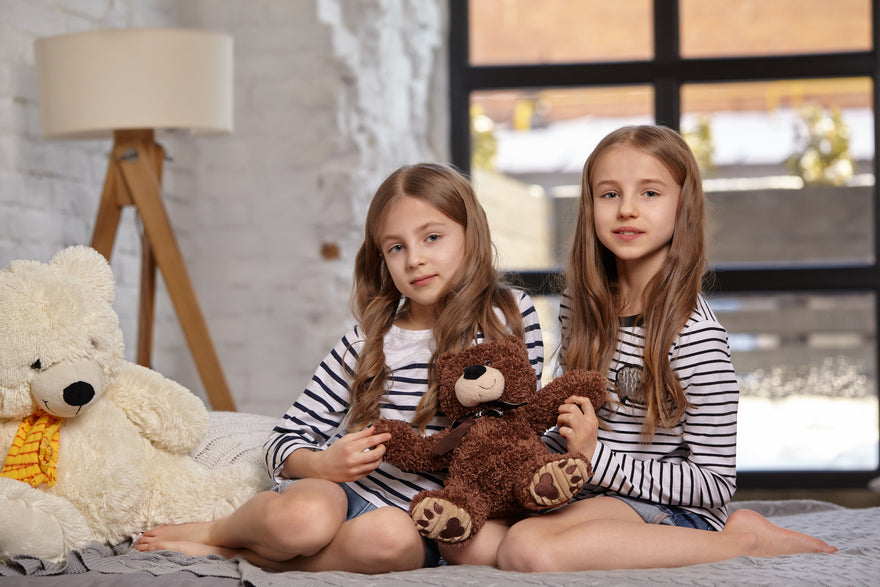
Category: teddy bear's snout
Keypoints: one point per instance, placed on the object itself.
(66, 388)
(479, 384)
(474, 372)
(79, 393)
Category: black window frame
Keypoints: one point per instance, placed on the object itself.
(667, 72)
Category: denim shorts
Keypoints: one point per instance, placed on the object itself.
(357, 505)
(665, 515)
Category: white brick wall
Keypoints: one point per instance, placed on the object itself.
(330, 96)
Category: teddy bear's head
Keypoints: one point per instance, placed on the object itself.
(493, 371)
(60, 340)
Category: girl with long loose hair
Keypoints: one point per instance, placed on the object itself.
(424, 283)
(663, 447)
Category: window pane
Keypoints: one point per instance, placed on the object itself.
(807, 373)
(721, 28)
(808, 380)
(528, 150)
(504, 32)
(787, 168)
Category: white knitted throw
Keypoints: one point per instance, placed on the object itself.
(235, 437)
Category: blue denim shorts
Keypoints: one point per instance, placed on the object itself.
(665, 515)
(357, 505)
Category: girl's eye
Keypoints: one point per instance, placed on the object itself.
(651, 194)
(432, 238)
(609, 195)
(395, 248)
(36, 365)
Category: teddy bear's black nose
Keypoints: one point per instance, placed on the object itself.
(474, 371)
(79, 393)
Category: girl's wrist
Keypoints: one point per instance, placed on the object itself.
(302, 463)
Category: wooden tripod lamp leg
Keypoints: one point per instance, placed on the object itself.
(133, 155)
(109, 210)
(147, 301)
(146, 304)
(114, 197)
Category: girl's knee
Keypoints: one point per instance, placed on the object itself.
(387, 540)
(395, 531)
(304, 524)
(482, 550)
(520, 552)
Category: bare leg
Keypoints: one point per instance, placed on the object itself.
(481, 550)
(274, 526)
(379, 541)
(605, 533)
(383, 540)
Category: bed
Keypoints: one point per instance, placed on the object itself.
(238, 437)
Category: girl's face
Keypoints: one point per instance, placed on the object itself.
(635, 201)
(423, 249)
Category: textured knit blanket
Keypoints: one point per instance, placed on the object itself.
(855, 532)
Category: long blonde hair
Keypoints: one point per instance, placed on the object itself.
(462, 312)
(670, 297)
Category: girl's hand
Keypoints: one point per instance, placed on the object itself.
(578, 425)
(353, 456)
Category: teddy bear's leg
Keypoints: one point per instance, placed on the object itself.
(39, 524)
(447, 515)
(556, 481)
(441, 520)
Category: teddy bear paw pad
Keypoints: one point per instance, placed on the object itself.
(557, 482)
(442, 520)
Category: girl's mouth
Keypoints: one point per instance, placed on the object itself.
(422, 281)
(627, 233)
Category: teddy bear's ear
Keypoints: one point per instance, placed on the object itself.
(90, 266)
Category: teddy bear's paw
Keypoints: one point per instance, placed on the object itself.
(557, 482)
(441, 520)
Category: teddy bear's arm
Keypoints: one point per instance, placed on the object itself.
(168, 415)
(541, 412)
(410, 451)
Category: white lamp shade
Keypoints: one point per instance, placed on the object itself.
(93, 83)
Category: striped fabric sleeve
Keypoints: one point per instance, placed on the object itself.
(693, 464)
(320, 409)
(316, 416)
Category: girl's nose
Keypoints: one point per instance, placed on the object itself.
(627, 208)
(414, 257)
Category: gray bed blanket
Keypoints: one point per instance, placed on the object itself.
(855, 532)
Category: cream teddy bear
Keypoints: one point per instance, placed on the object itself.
(94, 447)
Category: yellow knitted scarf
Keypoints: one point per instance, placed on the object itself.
(33, 456)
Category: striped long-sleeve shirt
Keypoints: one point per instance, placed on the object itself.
(315, 420)
(692, 465)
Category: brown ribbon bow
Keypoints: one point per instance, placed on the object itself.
(464, 423)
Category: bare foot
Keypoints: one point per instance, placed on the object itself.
(194, 532)
(770, 539)
(191, 548)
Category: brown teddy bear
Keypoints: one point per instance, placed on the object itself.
(497, 463)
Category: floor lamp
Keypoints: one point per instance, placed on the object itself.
(128, 83)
